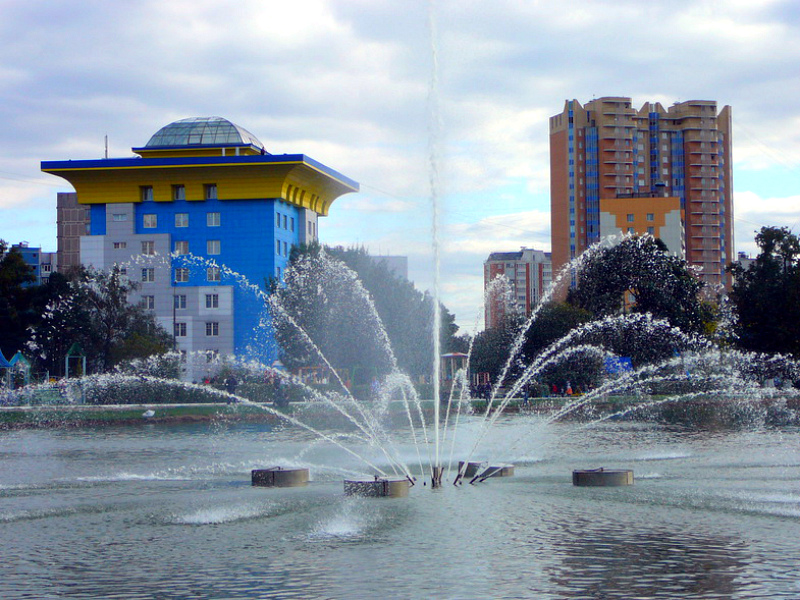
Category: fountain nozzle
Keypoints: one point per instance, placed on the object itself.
(436, 476)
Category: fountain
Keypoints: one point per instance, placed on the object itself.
(115, 511)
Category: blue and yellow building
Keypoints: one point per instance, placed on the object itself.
(202, 210)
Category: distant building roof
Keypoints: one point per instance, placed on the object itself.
(505, 255)
(202, 131)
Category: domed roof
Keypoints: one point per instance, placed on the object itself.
(202, 131)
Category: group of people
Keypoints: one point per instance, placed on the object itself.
(567, 390)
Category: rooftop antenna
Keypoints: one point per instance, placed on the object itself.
(106, 145)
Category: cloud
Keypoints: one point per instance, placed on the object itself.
(752, 212)
(347, 82)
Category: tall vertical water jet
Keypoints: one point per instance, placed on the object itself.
(433, 175)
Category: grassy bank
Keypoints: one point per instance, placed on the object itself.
(86, 416)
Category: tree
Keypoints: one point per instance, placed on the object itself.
(492, 347)
(661, 284)
(94, 312)
(357, 312)
(766, 296)
(554, 321)
(15, 299)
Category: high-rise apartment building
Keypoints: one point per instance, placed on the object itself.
(529, 275)
(201, 219)
(607, 159)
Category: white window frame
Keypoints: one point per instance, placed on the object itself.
(149, 221)
(181, 219)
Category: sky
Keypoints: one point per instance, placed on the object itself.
(415, 100)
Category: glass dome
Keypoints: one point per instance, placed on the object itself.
(202, 131)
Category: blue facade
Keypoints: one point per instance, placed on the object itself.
(193, 242)
(253, 239)
(32, 258)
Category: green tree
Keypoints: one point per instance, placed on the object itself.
(554, 321)
(492, 347)
(94, 312)
(343, 298)
(660, 284)
(766, 296)
(15, 299)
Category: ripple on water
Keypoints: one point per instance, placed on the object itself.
(215, 515)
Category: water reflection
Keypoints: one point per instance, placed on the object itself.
(617, 559)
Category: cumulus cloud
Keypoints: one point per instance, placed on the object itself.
(347, 82)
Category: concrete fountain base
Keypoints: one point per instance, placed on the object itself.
(602, 477)
(498, 471)
(377, 488)
(279, 477)
(470, 470)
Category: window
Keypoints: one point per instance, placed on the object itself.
(631, 230)
(181, 219)
(146, 193)
(46, 267)
(285, 222)
(212, 247)
(212, 329)
(277, 220)
(181, 247)
(180, 329)
(212, 274)
(212, 300)
(120, 217)
(291, 221)
(630, 218)
(650, 217)
(212, 219)
(178, 192)
(285, 249)
(120, 245)
(211, 191)
(278, 247)
(651, 230)
(212, 356)
(148, 274)
(149, 248)
(181, 275)
(150, 221)
(148, 302)
(180, 301)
